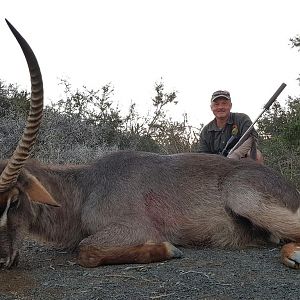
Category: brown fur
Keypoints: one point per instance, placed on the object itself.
(92, 256)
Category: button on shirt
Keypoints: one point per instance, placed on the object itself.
(213, 139)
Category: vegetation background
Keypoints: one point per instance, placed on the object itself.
(85, 123)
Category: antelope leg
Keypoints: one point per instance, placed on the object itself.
(290, 255)
(93, 255)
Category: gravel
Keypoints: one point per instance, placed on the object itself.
(47, 273)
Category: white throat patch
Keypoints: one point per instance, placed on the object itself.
(3, 219)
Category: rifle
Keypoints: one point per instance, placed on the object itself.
(265, 108)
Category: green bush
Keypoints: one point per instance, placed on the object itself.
(279, 130)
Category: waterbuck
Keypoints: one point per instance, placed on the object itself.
(135, 207)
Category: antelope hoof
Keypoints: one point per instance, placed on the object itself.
(10, 261)
(172, 251)
(290, 255)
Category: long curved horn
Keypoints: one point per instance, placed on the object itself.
(13, 168)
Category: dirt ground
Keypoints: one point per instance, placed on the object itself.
(46, 273)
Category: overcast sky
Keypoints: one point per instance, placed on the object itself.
(195, 46)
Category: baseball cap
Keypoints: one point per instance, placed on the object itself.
(220, 94)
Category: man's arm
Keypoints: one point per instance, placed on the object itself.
(242, 150)
(245, 123)
(204, 142)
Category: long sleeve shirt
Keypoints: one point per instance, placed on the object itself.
(214, 140)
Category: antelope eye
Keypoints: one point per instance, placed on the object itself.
(14, 202)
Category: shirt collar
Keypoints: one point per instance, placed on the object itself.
(213, 124)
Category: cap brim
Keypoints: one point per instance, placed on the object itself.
(220, 96)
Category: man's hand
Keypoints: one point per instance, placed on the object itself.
(234, 155)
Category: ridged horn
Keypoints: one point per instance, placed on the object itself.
(13, 168)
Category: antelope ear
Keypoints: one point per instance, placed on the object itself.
(36, 192)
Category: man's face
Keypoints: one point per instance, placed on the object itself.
(221, 108)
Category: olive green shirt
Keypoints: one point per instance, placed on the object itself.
(213, 139)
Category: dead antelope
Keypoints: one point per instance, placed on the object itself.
(134, 207)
